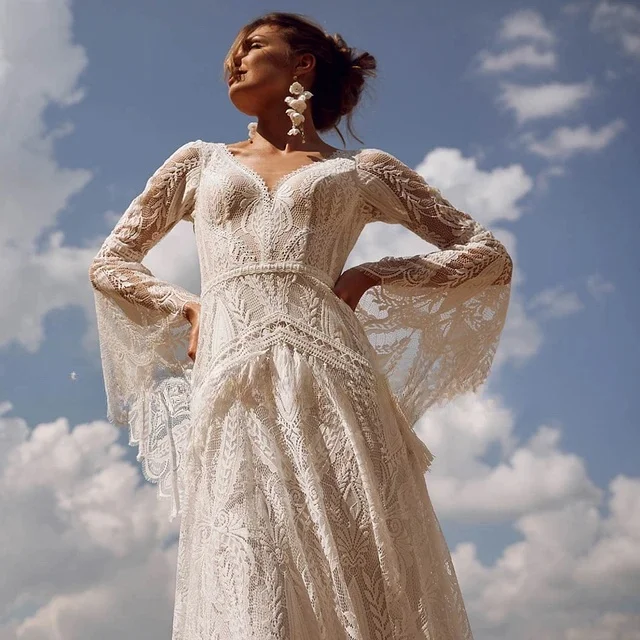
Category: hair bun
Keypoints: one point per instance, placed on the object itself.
(362, 62)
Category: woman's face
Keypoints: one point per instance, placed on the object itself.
(264, 71)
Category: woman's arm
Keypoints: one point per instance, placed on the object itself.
(397, 194)
(434, 319)
(167, 198)
(143, 326)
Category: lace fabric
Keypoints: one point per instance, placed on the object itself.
(288, 447)
(142, 330)
(435, 320)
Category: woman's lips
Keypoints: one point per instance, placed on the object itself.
(236, 78)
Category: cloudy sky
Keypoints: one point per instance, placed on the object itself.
(523, 114)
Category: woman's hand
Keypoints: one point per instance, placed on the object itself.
(351, 284)
(192, 314)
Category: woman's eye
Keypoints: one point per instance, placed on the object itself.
(254, 44)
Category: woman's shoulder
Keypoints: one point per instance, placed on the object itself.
(375, 160)
(186, 152)
(374, 153)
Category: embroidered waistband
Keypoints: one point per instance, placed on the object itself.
(270, 267)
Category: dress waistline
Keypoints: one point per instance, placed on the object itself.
(270, 267)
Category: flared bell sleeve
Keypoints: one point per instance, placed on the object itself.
(434, 320)
(142, 328)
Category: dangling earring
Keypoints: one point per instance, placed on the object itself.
(297, 104)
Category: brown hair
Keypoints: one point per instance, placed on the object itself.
(340, 72)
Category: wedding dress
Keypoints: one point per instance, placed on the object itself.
(288, 448)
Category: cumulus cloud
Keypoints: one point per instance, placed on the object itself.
(526, 24)
(578, 556)
(522, 336)
(619, 22)
(84, 545)
(574, 570)
(489, 196)
(88, 551)
(530, 477)
(536, 52)
(575, 566)
(524, 56)
(545, 100)
(136, 602)
(555, 302)
(565, 142)
(40, 67)
(608, 626)
(175, 258)
(37, 282)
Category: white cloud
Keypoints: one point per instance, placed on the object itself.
(523, 56)
(42, 68)
(530, 477)
(545, 100)
(522, 336)
(543, 178)
(620, 22)
(555, 303)
(571, 572)
(81, 537)
(614, 561)
(565, 142)
(599, 287)
(489, 196)
(37, 282)
(609, 626)
(611, 74)
(175, 258)
(136, 602)
(526, 24)
(39, 68)
(577, 562)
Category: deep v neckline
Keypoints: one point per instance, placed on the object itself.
(271, 192)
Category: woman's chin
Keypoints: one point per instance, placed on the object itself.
(243, 101)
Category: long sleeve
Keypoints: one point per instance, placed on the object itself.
(435, 319)
(141, 324)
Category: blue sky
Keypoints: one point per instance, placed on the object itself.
(525, 114)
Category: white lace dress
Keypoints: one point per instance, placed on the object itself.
(288, 448)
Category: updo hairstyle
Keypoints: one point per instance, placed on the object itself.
(340, 71)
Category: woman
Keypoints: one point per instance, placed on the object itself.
(288, 447)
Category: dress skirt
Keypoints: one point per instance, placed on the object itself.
(307, 515)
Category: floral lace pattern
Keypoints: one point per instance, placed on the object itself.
(288, 447)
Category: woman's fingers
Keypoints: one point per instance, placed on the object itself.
(193, 341)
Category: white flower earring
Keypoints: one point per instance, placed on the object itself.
(297, 104)
(252, 126)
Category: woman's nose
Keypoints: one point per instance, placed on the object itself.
(237, 59)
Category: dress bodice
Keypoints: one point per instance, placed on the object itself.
(311, 216)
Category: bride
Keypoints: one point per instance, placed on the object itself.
(276, 408)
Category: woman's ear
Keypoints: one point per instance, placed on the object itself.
(306, 63)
